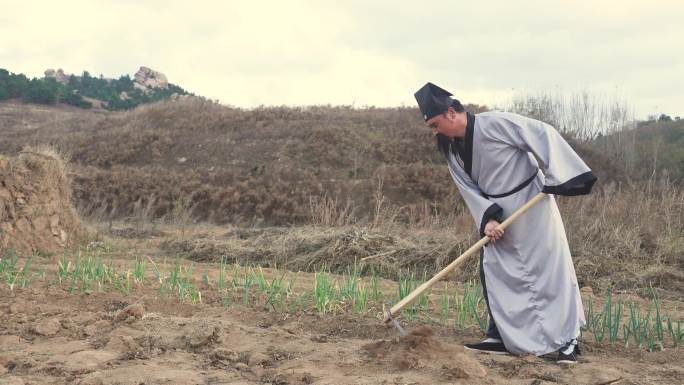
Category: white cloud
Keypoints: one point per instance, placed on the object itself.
(359, 52)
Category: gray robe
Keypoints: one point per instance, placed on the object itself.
(533, 293)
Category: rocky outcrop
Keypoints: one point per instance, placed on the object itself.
(58, 75)
(147, 79)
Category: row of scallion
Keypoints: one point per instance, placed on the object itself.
(461, 306)
(620, 321)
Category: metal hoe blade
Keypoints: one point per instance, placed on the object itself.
(401, 330)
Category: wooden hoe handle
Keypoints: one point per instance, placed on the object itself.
(415, 294)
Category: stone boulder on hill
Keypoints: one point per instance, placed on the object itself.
(58, 75)
(147, 79)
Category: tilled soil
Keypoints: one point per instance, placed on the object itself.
(48, 336)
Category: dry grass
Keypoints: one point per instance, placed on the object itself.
(328, 212)
(370, 177)
(267, 166)
(621, 237)
(628, 236)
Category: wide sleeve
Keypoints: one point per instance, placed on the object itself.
(481, 208)
(565, 172)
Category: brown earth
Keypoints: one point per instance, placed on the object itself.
(48, 336)
(36, 213)
(201, 344)
(420, 349)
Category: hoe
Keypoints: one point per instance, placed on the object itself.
(415, 294)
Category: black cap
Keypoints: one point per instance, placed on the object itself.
(432, 100)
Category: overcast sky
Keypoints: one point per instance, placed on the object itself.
(249, 53)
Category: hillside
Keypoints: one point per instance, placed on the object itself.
(655, 147)
(233, 165)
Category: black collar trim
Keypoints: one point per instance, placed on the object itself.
(468, 153)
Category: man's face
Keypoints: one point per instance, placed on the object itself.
(444, 124)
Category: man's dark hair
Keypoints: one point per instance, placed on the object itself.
(457, 106)
(445, 145)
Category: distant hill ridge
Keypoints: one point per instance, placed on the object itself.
(86, 91)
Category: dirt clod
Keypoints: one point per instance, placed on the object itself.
(122, 344)
(136, 310)
(419, 349)
(11, 380)
(202, 334)
(257, 359)
(47, 327)
(307, 378)
(19, 307)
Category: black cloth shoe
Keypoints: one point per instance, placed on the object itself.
(568, 353)
(489, 346)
